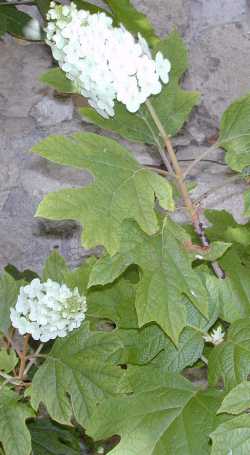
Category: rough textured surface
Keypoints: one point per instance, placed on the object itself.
(218, 36)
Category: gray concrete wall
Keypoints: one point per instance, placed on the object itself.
(217, 33)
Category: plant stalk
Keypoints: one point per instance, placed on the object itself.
(23, 357)
(190, 208)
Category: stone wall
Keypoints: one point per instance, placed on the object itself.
(217, 33)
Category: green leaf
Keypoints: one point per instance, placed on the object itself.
(77, 375)
(238, 400)
(9, 290)
(43, 6)
(114, 302)
(232, 437)
(231, 359)
(51, 439)
(165, 415)
(235, 134)
(13, 21)
(225, 228)
(247, 203)
(8, 360)
(57, 79)
(26, 275)
(79, 277)
(133, 20)
(122, 189)
(167, 275)
(55, 268)
(93, 9)
(150, 344)
(14, 434)
(173, 105)
(235, 262)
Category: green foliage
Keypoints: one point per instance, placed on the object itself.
(166, 415)
(43, 6)
(51, 439)
(238, 400)
(232, 437)
(57, 79)
(14, 434)
(9, 290)
(8, 360)
(167, 276)
(134, 21)
(173, 105)
(55, 268)
(77, 375)
(122, 189)
(235, 134)
(13, 21)
(230, 360)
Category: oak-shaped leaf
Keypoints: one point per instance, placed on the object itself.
(235, 134)
(166, 414)
(77, 375)
(14, 434)
(121, 189)
(167, 275)
(173, 105)
(230, 360)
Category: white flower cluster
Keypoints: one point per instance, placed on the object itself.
(48, 310)
(105, 63)
(216, 337)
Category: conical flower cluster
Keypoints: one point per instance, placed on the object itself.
(48, 310)
(104, 62)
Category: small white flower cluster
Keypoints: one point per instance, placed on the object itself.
(216, 337)
(105, 63)
(32, 30)
(48, 310)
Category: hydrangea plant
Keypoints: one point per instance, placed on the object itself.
(112, 352)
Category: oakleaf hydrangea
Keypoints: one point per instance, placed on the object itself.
(48, 310)
(105, 63)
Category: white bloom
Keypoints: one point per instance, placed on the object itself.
(216, 337)
(105, 63)
(163, 67)
(48, 310)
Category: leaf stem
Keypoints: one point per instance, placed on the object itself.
(23, 356)
(190, 208)
(33, 359)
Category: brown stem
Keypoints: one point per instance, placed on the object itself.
(190, 208)
(23, 356)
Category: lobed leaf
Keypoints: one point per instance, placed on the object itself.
(167, 275)
(166, 414)
(57, 79)
(77, 375)
(122, 189)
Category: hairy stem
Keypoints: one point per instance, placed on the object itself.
(190, 208)
(23, 356)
